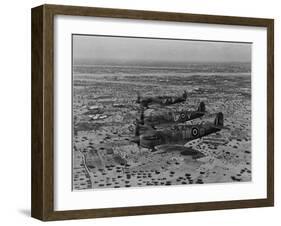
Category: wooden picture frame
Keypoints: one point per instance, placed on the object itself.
(42, 203)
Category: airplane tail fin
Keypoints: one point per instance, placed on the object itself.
(219, 120)
(201, 107)
(184, 95)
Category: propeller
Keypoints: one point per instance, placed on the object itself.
(142, 116)
(136, 130)
(139, 123)
(138, 98)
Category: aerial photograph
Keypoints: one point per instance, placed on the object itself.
(150, 112)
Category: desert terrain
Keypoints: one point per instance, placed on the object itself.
(105, 109)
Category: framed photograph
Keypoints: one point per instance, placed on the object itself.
(142, 112)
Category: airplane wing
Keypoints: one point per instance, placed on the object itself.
(155, 106)
(168, 125)
(186, 151)
(170, 148)
(165, 125)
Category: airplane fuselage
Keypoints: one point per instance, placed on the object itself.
(180, 134)
(161, 100)
(156, 118)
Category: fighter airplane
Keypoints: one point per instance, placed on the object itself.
(174, 138)
(166, 116)
(161, 100)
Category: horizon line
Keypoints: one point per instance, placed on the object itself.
(146, 66)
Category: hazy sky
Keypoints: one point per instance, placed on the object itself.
(104, 50)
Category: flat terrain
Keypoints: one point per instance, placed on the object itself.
(104, 111)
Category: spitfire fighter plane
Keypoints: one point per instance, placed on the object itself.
(174, 138)
(166, 116)
(161, 100)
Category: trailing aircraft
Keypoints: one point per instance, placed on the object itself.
(175, 137)
(161, 100)
(166, 116)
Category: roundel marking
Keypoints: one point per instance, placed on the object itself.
(194, 132)
(182, 115)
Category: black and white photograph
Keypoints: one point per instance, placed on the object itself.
(159, 112)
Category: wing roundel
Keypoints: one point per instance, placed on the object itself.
(183, 115)
(194, 132)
